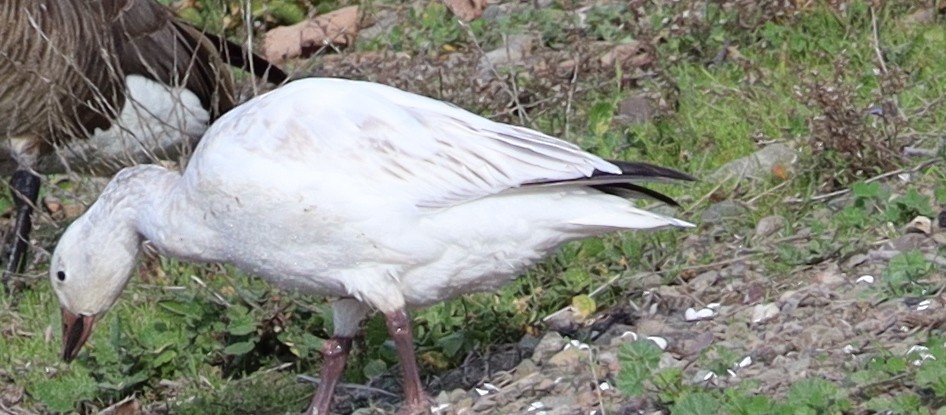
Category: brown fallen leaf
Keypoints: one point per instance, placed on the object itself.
(628, 55)
(127, 406)
(304, 38)
(467, 10)
(53, 204)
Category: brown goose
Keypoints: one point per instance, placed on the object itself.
(95, 85)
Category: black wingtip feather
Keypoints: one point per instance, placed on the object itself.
(622, 185)
(645, 171)
(634, 191)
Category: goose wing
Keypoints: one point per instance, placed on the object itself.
(430, 153)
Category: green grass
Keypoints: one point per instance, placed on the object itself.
(217, 344)
(641, 376)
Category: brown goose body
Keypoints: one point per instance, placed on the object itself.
(96, 85)
(64, 68)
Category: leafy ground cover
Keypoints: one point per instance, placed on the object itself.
(817, 130)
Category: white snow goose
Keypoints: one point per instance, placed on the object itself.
(95, 85)
(383, 198)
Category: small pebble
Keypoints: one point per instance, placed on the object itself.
(483, 405)
(923, 352)
(693, 315)
(921, 224)
(659, 341)
(577, 344)
(855, 260)
(865, 279)
(769, 225)
(764, 312)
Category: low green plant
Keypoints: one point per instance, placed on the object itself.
(905, 274)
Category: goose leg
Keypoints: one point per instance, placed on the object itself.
(334, 354)
(24, 186)
(347, 316)
(399, 327)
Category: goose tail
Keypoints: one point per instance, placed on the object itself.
(629, 217)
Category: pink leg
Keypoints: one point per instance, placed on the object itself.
(399, 327)
(334, 354)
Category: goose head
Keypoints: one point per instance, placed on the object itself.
(89, 270)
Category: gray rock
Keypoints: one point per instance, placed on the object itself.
(635, 110)
(484, 404)
(545, 385)
(528, 343)
(855, 260)
(609, 360)
(458, 395)
(525, 368)
(705, 280)
(831, 276)
(910, 242)
(613, 335)
(643, 279)
(723, 211)
(668, 361)
(769, 225)
(560, 401)
(550, 344)
(384, 20)
(703, 376)
(516, 49)
(758, 164)
(567, 358)
(692, 343)
(940, 239)
(764, 312)
(495, 11)
(463, 404)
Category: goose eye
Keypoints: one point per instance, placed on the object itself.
(61, 276)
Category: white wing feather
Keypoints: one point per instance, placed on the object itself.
(434, 153)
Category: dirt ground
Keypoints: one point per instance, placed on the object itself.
(727, 311)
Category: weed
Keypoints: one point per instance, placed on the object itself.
(904, 276)
(640, 375)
